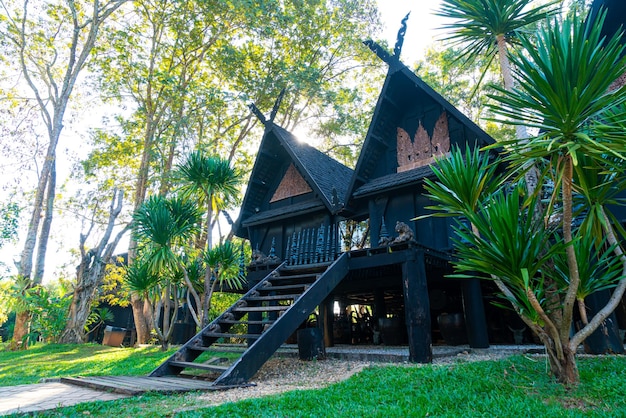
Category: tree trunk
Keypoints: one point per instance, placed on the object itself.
(80, 308)
(21, 330)
(531, 175)
(141, 324)
(90, 274)
(564, 369)
(52, 105)
(208, 288)
(44, 234)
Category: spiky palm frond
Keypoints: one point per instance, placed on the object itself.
(208, 176)
(464, 181)
(140, 278)
(162, 224)
(223, 259)
(162, 220)
(510, 240)
(598, 267)
(477, 23)
(562, 90)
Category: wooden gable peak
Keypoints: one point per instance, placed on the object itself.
(292, 184)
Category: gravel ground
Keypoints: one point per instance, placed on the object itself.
(281, 374)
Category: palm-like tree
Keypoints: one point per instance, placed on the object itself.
(222, 262)
(212, 180)
(163, 226)
(215, 182)
(546, 269)
(486, 28)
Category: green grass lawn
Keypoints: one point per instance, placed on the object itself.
(57, 360)
(514, 387)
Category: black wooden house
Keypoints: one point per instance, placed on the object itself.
(296, 204)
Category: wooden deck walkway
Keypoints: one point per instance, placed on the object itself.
(135, 385)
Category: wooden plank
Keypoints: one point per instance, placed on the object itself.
(274, 297)
(230, 335)
(311, 277)
(135, 385)
(261, 309)
(201, 366)
(99, 386)
(234, 321)
(283, 287)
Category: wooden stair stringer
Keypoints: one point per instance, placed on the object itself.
(264, 347)
(187, 354)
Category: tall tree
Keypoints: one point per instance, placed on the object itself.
(164, 226)
(51, 44)
(213, 181)
(157, 64)
(160, 57)
(90, 273)
(488, 28)
(545, 266)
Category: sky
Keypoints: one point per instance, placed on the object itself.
(419, 36)
(421, 26)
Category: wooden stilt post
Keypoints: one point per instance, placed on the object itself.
(417, 309)
(327, 317)
(475, 314)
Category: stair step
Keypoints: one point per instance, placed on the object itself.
(310, 277)
(262, 308)
(229, 335)
(217, 348)
(308, 268)
(202, 366)
(282, 287)
(234, 321)
(274, 297)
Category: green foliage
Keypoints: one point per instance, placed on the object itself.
(210, 178)
(470, 178)
(544, 253)
(9, 222)
(567, 101)
(478, 23)
(163, 225)
(97, 317)
(223, 260)
(598, 267)
(220, 302)
(47, 305)
(5, 299)
(113, 290)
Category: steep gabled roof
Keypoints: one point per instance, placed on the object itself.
(327, 179)
(322, 172)
(403, 91)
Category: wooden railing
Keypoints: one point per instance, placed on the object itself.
(313, 245)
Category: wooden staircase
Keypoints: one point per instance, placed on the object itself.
(271, 311)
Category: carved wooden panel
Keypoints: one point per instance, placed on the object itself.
(422, 150)
(292, 184)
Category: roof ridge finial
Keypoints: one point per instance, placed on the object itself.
(400, 39)
(257, 113)
(279, 100)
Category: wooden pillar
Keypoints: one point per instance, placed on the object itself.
(327, 317)
(417, 309)
(380, 309)
(474, 311)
